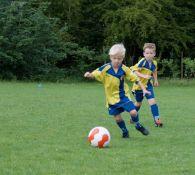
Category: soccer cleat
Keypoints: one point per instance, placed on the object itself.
(141, 129)
(125, 135)
(158, 123)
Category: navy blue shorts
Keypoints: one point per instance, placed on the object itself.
(138, 94)
(120, 107)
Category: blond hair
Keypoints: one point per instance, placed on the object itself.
(149, 46)
(117, 49)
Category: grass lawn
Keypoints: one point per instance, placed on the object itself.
(43, 131)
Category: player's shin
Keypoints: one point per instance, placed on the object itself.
(135, 118)
(155, 111)
(122, 126)
(137, 108)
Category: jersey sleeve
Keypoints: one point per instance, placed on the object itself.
(130, 75)
(138, 66)
(156, 65)
(141, 63)
(99, 73)
(134, 68)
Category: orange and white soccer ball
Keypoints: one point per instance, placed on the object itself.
(99, 137)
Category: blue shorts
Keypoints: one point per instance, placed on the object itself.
(138, 94)
(120, 107)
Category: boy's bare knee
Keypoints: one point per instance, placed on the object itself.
(138, 104)
(152, 101)
(133, 113)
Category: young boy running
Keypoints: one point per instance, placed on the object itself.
(114, 76)
(146, 70)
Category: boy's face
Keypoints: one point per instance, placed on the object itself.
(149, 53)
(116, 60)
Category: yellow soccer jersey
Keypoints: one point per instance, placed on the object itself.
(116, 89)
(144, 67)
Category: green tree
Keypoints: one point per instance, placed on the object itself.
(29, 45)
(136, 22)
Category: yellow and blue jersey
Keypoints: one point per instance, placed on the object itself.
(144, 67)
(116, 88)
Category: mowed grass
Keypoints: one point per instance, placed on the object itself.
(43, 131)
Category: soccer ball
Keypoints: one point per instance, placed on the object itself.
(99, 137)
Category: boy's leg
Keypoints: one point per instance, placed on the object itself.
(138, 106)
(139, 98)
(116, 112)
(138, 126)
(134, 117)
(154, 109)
(129, 107)
(121, 124)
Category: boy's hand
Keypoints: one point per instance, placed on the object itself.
(88, 75)
(144, 89)
(156, 83)
(146, 92)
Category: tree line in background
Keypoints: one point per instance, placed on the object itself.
(52, 40)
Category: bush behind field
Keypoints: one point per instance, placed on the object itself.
(38, 42)
(172, 68)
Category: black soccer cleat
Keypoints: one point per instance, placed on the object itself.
(125, 135)
(143, 130)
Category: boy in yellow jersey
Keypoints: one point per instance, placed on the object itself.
(146, 69)
(114, 76)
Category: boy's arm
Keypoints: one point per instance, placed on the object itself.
(135, 69)
(143, 88)
(96, 74)
(142, 75)
(155, 75)
(130, 75)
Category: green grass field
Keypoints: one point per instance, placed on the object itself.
(43, 131)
